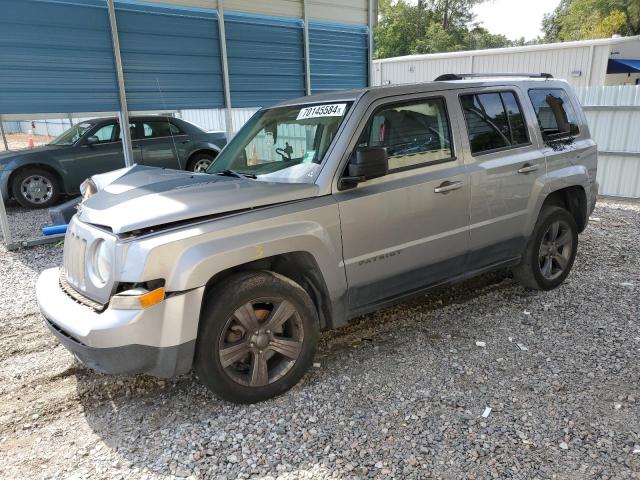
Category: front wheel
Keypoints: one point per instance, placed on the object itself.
(35, 188)
(550, 252)
(258, 337)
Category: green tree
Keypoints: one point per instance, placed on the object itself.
(585, 19)
(430, 26)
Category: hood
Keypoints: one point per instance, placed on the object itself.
(6, 157)
(144, 197)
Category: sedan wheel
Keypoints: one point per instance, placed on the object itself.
(201, 165)
(35, 188)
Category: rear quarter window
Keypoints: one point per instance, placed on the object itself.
(556, 116)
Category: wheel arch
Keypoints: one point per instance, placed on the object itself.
(574, 200)
(43, 166)
(299, 266)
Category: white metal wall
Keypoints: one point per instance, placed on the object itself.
(613, 114)
(580, 63)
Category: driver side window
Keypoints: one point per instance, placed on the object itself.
(414, 133)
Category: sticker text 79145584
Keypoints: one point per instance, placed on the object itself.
(332, 110)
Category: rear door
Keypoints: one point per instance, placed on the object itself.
(505, 161)
(408, 229)
(160, 140)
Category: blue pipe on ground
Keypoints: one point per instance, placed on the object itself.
(54, 230)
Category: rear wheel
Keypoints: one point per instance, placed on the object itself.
(258, 337)
(200, 162)
(550, 252)
(35, 188)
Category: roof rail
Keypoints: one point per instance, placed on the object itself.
(460, 76)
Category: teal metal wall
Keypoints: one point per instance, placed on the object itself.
(339, 56)
(170, 57)
(266, 58)
(56, 57)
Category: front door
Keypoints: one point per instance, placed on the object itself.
(505, 162)
(85, 160)
(409, 229)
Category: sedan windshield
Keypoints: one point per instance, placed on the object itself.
(285, 144)
(72, 135)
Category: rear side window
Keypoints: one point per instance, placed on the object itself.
(556, 116)
(414, 133)
(494, 121)
(159, 128)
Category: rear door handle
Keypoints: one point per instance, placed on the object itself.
(447, 186)
(528, 168)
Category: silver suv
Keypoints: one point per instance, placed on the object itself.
(321, 209)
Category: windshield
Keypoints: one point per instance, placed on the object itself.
(285, 144)
(72, 135)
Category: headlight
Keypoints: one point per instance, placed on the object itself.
(88, 189)
(102, 260)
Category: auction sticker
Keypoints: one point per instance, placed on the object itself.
(332, 110)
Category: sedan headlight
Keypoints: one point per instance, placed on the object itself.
(88, 189)
(102, 261)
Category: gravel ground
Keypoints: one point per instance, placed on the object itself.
(25, 224)
(399, 393)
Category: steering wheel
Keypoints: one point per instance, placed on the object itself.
(285, 152)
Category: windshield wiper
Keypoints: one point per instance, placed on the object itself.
(233, 173)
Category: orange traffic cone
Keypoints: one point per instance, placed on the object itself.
(30, 139)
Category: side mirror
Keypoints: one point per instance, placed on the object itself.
(93, 140)
(366, 164)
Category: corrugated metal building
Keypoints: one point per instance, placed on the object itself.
(57, 55)
(583, 63)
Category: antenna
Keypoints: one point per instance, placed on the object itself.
(173, 140)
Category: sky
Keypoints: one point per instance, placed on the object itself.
(514, 18)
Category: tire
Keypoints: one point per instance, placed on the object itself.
(547, 259)
(35, 188)
(239, 302)
(200, 162)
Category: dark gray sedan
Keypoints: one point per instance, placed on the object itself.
(38, 177)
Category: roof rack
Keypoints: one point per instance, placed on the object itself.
(460, 76)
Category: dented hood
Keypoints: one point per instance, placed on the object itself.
(142, 197)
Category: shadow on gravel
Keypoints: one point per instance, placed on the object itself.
(141, 417)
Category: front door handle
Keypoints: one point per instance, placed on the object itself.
(447, 186)
(528, 168)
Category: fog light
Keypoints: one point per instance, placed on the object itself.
(137, 299)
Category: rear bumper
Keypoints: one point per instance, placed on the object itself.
(159, 340)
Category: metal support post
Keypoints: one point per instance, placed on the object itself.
(371, 22)
(225, 71)
(123, 115)
(307, 55)
(4, 137)
(4, 224)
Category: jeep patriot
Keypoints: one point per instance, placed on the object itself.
(321, 209)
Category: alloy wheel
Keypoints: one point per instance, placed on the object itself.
(555, 250)
(36, 189)
(261, 342)
(201, 165)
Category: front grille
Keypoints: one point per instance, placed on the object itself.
(75, 251)
(77, 296)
